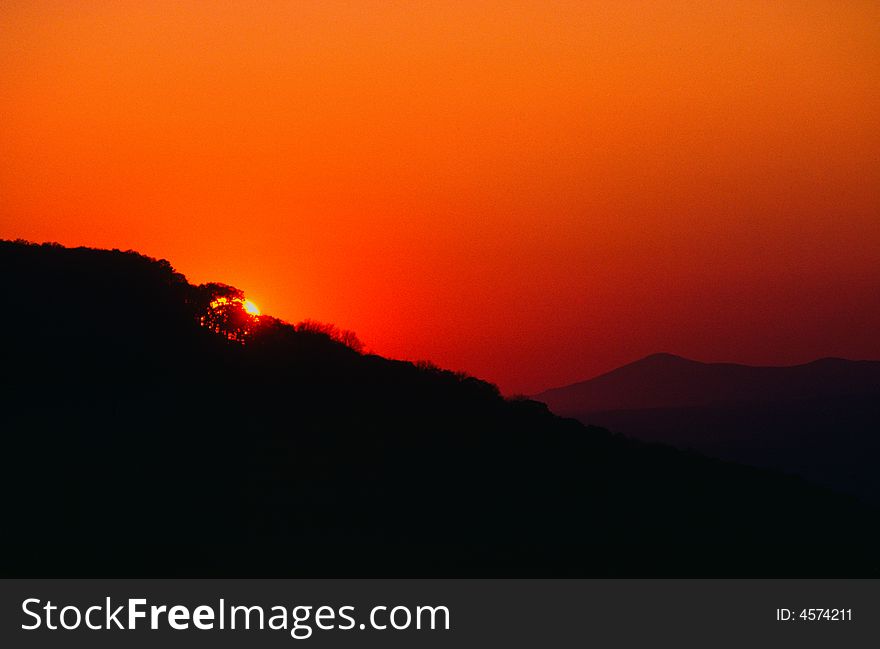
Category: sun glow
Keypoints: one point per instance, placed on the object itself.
(248, 305)
(251, 308)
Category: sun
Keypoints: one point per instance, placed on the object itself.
(251, 308)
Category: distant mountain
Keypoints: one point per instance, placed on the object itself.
(668, 381)
(151, 427)
(819, 420)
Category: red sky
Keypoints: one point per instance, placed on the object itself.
(533, 192)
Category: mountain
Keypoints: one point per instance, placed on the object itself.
(152, 427)
(817, 420)
(668, 381)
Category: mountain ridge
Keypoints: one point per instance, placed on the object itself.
(666, 380)
(817, 420)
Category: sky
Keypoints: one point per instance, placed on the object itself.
(531, 192)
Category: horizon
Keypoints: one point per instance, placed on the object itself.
(251, 308)
(535, 194)
(696, 361)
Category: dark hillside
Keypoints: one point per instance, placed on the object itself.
(150, 428)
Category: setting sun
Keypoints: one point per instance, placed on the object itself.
(251, 308)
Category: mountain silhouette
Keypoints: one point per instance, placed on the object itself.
(669, 381)
(817, 420)
(153, 428)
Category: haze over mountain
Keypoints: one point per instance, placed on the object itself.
(154, 427)
(818, 420)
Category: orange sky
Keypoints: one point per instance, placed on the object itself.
(532, 192)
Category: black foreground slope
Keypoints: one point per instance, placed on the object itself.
(138, 443)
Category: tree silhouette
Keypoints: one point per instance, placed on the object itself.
(220, 308)
(343, 336)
